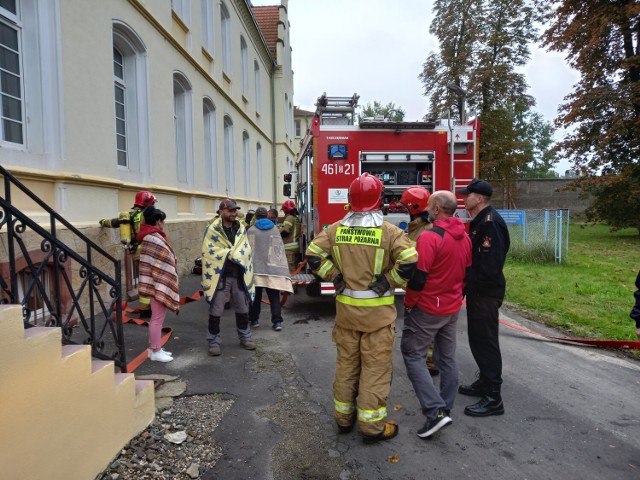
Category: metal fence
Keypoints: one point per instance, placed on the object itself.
(538, 236)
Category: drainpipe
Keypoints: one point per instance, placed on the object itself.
(273, 135)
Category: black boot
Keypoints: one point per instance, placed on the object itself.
(477, 389)
(490, 404)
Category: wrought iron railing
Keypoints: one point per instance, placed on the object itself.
(91, 312)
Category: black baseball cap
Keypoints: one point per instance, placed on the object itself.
(228, 205)
(477, 186)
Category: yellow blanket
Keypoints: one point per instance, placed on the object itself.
(217, 250)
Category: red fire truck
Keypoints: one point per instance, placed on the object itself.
(437, 155)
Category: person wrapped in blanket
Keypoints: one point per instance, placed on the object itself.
(158, 278)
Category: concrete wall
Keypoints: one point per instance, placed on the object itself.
(543, 193)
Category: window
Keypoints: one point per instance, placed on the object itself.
(121, 118)
(35, 303)
(256, 75)
(287, 128)
(245, 67)
(130, 99)
(183, 128)
(228, 155)
(210, 143)
(298, 128)
(12, 102)
(259, 170)
(206, 16)
(182, 9)
(246, 161)
(225, 20)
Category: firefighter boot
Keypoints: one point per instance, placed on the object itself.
(490, 404)
(213, 336)
(391, 429)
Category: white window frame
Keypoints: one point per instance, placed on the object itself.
(298, 127)
(136, 100)
(244, 58)
(210, 143)
(246, 162)
(182, 8)
(259, 170)
(208, 34)
(120, 86)
(257, 87)
(183, 122)
(228, 155)
(12, 21)
(225, 28)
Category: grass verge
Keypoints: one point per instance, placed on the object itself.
(592, 294)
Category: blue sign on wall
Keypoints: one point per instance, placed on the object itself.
(512, 217)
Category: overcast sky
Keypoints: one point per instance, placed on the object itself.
(376, 48)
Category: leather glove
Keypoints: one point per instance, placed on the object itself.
(339, 284)
(380, 285)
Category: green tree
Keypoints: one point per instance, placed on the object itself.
(483, 43)
(602, 41)
(389, 112)
(536, 135)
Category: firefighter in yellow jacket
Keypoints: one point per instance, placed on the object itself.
(415, 199)
(290, 232)
(365, 258)
(129, 225)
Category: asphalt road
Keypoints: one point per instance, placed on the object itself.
(571, 412)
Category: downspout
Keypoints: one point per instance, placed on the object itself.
(273, 135)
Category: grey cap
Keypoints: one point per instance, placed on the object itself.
(477, 186)
(228, 205)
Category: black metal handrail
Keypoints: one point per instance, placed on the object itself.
(99, 314)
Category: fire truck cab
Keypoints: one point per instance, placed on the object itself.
(435, 154)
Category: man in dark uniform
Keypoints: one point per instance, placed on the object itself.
(485, 287)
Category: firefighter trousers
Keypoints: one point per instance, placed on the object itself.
(363, 377)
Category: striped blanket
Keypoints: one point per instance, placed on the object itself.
(158, 277)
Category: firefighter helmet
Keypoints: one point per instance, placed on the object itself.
(415, 199)
(365, 193)
(144, 199)
(287, 206)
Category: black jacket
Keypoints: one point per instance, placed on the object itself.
(635, 312)
(490, 244)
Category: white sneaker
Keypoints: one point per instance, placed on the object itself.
(160, 356)
(149, 350)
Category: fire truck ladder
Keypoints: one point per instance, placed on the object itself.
(336, 110)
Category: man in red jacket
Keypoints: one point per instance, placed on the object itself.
(432, 303)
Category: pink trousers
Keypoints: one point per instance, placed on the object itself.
(158, 312)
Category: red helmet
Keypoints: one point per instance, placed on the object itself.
(365, 193)
(415, 199)
(287, 206)
(144, 199)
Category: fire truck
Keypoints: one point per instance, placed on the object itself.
(434, 154)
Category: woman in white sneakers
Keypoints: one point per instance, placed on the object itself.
(158, 278)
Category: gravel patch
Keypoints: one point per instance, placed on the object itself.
(177, 445)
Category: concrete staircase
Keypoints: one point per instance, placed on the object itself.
(63, 414)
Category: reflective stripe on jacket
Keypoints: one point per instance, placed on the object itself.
(359, 254)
